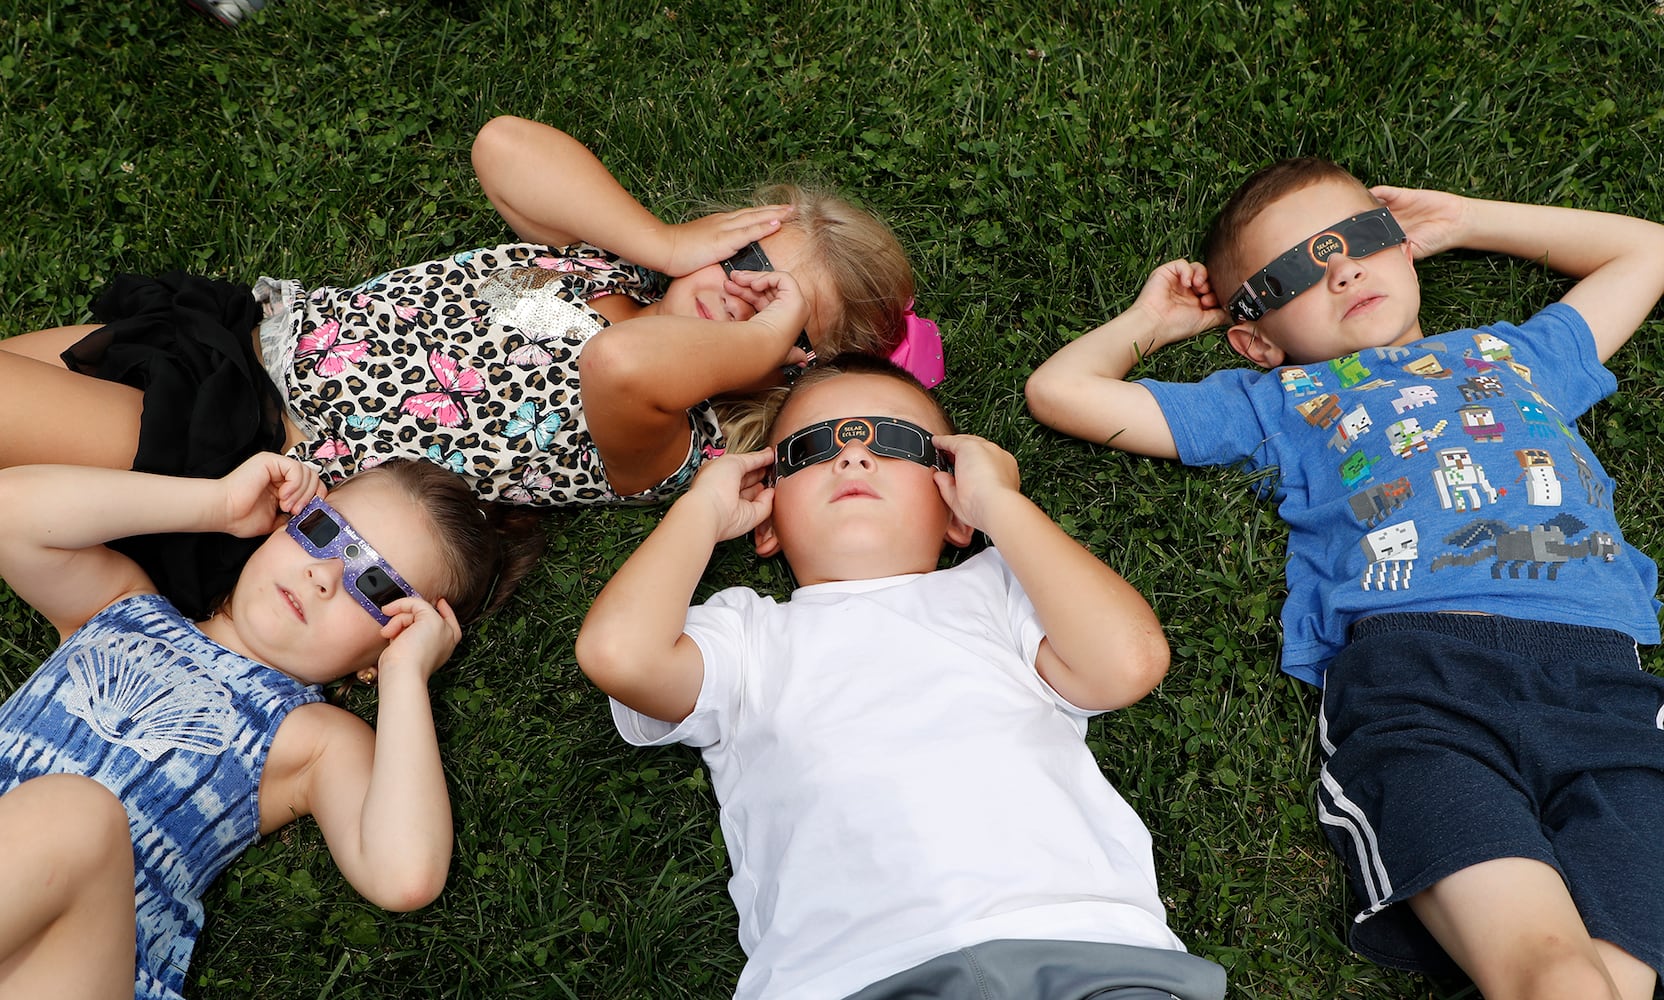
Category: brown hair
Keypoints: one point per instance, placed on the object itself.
(486, 547)
(849, 363)
(1253, 196)
(861, 258)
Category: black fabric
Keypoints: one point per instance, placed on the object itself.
(187, 343)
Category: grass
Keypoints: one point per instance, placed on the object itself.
(1037, 159)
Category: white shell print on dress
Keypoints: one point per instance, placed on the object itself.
(149, 697)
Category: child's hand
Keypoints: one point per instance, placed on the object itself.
(260, 494)
(1180, 300)
(732, 485)
(693, 245)
(421, 636)
(982, 472)
(780, 304)
(1434, 221)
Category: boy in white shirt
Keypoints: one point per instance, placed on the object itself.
(906, 794)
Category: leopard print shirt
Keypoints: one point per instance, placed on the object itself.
(470, 362)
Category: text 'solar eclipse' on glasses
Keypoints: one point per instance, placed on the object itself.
(887, 437)
(1305, 263)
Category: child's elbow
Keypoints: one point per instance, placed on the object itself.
(1151, 658)
(1144, 659)
(603, 657)
(498, 135)
(615, 365)
(1042, 391)
(412, 891)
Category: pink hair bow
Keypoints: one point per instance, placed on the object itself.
(920, 350)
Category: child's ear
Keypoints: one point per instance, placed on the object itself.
(959, 533)
(1409, 254)
(764, 540)
(1246, 340)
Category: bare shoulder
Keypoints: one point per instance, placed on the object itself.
(308, 736)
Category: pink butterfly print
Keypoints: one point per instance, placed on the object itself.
(336, 354)
(531, 486)
(708, 452)
(406, 312)
(330, 448)
(456, 383)
(360, 300)
(571, 263)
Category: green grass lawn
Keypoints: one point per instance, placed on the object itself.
(1038, 159)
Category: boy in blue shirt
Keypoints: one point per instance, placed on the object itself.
(1457, 581)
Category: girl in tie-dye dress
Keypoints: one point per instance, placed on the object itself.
(148, 751)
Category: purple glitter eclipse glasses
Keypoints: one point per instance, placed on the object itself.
(1305, 264)
(323, 532)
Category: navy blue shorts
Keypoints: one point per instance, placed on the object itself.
(1452, 739)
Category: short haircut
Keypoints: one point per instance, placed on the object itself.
(853, 363)
(1221, 245)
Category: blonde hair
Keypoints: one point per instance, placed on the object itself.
(862, 260)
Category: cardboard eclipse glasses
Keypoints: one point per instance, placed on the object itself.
(752, 258)
(887, 437)
(1304, 264)
(323, 532)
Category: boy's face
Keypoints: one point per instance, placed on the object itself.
(858, 516)
(1373, 301)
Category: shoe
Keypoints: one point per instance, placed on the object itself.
(227, 12)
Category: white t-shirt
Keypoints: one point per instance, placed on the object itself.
(896, 781)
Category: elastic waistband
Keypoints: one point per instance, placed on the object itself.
(1519, 636)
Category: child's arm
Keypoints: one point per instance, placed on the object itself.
(551, 189)
(378, 795)
(1104, 648)
(639, 378)
(1618, 259)
(58, 517)
(632, 644)
(1083, 389)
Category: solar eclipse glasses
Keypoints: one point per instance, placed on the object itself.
(323, 532)
(887, 437)
(1304, 264)
(752, 258)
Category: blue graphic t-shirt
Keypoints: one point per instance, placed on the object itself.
(1444, 475)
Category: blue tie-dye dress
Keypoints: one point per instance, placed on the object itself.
(176, 726)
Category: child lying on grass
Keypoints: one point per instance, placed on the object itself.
(1493, 769)
(899, 752)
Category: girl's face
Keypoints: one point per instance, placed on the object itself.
(703, 294)
(858, 516)
(291, 609)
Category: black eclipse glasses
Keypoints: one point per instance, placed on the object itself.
(752, 258)
(886, 437)
(323, 532)
(1304, 264)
